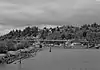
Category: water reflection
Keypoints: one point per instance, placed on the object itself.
(19, 66)
(2, 66)
(59, 59)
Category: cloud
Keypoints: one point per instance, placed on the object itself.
(19, 13)
(6, 29)
(47, 26)
(28, 12)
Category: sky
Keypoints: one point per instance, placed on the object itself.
(20, 13)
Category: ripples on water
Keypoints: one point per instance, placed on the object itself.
(59, 59)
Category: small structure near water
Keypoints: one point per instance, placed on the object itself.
(2, 55)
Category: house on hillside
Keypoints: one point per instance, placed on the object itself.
(75, 43)
(31, 38)
(97, 46)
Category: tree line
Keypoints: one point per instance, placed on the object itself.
(89, 32)
(10, 45)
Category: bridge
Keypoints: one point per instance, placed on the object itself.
(81, 41)
(44, 40)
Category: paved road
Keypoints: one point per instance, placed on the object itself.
(61, 59)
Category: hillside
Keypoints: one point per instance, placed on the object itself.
(89, 32)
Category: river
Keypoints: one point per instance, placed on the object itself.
(60, 59)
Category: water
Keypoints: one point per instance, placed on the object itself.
(60, 59)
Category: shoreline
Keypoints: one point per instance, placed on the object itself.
(33, 53)
(22, 56)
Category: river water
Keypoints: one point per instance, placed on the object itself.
(60, 59)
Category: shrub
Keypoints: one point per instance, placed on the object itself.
(3, 47)
(22, 45)
(11, 46)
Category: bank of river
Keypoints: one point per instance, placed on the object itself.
(60, 59)
(20, 55)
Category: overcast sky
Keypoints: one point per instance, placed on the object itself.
(20, 13)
